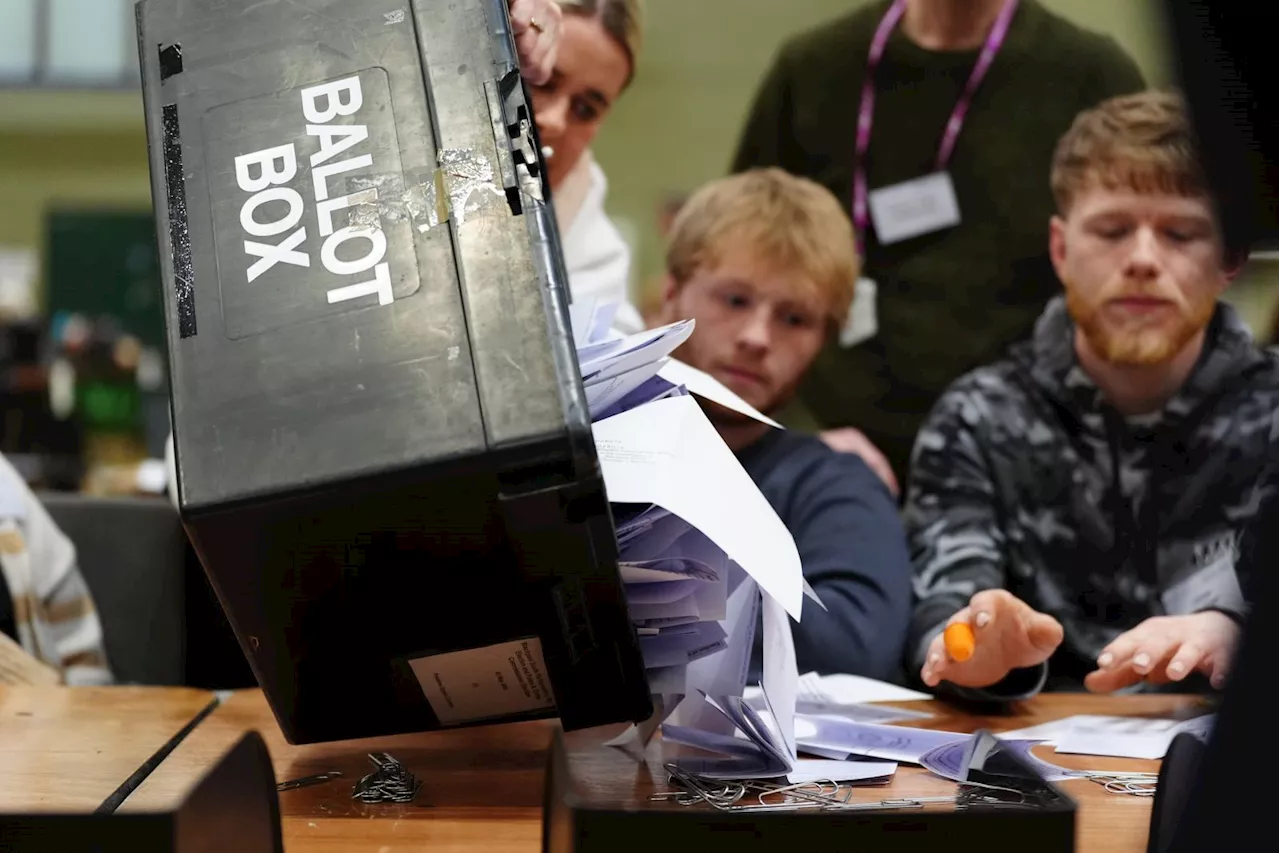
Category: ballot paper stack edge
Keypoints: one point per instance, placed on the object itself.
(703, 557)
(675, 578)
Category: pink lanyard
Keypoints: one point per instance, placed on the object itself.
(866, 106)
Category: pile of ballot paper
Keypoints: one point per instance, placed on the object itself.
(686, 513)
(703, 556)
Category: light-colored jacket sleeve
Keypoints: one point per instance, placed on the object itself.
(57, 621)
(596, 256)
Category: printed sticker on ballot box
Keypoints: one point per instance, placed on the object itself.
(479, 684)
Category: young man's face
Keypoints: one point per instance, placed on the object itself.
(757, 329)
(1142, 271)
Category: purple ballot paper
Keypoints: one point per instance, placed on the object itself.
(949, 760)
(834, 736)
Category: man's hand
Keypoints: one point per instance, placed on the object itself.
(1009, 635)
(1167, 648)
(536, 27)
(850, 440)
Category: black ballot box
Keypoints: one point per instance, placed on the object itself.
(383, 449)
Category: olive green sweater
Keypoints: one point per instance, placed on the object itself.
(955, 299)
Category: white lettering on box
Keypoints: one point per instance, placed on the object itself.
(275, 210)
(329, 251)
(326, 208)
(268, 255)
(350, 135)
(270, 229)
(268, 174)
(321, 174)
(334, 105)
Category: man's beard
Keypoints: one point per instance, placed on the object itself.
(1140, 345)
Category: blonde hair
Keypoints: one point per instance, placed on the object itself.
(621, 19)
(1141, 142)
(787, 221)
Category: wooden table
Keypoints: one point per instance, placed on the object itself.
(1105, 822)
(69, 749)
(482, 788)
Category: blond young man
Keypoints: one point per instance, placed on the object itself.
(764, 263)
(1081, 505)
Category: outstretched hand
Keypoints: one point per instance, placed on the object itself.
(1008, 634)
(1167, 648)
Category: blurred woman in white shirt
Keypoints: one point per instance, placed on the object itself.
(595, 60)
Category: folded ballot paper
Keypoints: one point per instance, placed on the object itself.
(1117, 737)
(944, 753)
(702, 553)
(762, 744)
(699, 546)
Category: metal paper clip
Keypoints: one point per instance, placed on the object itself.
(1134, 784)
(306, 781)
(819, 795)
(391, 782)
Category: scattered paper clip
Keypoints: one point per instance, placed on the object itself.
(727, 796)
(307, 781)
(1133, 784)
(391, 782)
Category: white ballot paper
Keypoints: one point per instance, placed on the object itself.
(700, 550)
(1127, 737)
(668, 453)
(849, 697)
(766, 747)
(708, 387)
(591, 319)
(829, 770)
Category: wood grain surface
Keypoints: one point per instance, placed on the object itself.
(68, 749)
(482, 787)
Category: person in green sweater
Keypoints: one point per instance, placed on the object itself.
(972, 96)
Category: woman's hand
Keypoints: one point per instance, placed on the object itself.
(536, 26)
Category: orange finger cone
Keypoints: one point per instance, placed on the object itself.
(959, 641)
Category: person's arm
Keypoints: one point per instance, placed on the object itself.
(1258, 537)
(854, 555)
(953, 530)
(766, 136)
(68, 611)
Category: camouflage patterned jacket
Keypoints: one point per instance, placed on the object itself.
(1024, 478)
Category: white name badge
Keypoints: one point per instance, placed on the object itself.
(1215, 585)
(861, 324)
(915, 207)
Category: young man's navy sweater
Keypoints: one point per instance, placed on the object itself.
(852, 548)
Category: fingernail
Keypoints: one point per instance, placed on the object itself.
(1217, 681)
(934, 660)
(982, 619)
(1141, 661)
(1178, 667)
(1105, 659)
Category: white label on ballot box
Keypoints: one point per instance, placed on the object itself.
(478, 684)
(912, 208)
